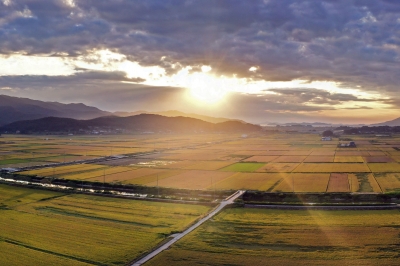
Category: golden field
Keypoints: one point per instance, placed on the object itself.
(170, 156)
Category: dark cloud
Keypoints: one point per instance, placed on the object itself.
(316, 96)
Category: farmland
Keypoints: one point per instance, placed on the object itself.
(52, 228)
(276, 237)
(232, 161)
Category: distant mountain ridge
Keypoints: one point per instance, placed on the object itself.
(392, 123)
(175, 113)
(15, 109)
(137, 123)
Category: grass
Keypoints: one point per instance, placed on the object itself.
(51, 228)
(275, 237)
(243, 167)
(250, 181)
(193, 179)
(331, 167)
(384, 167)
(303, 183)
(388, 182)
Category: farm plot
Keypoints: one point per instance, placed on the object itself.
(322, 153)
(194, 157)
(251, 181)
(260, 158)
(396, 158)
(245, 236)
(331, 168)
(81, 229)
(248, 153)
(363, 182)
(376, 153)
(243, 167)
(273, 153)
(388, 182)
(126, 175)
(63, 169)
(298, 153)
(351, 153)
(378, 159)
(97, 173)
(338, 183)
(303, 183)
(384, 167)
(278, 167)
(319, 159)
(348, 159)
(209, 165)
(289, 159)
(146, 179)
(194, 179)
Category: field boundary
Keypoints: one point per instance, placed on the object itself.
(325, 208)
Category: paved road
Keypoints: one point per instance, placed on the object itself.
(154, 253)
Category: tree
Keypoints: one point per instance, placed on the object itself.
(327, 133)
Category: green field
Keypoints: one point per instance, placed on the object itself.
(277, 237)
(47, 228)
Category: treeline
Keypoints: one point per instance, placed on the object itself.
(369, 130)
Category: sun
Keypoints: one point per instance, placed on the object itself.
(206, 88)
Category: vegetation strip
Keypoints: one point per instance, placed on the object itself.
(80, 215)
(53, 253)
(325, 208)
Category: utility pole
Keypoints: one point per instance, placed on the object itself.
(293, 183)
(158, 188)
(212, 189)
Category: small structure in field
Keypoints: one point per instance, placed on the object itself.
(326, 138)
(351, 144)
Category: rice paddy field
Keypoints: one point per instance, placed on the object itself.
(264, 162)
(47, 228)
(244, 236)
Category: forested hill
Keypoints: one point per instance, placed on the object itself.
(137, 123)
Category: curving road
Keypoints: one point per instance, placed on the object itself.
(154, 253)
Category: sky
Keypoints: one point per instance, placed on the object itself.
(334, 61)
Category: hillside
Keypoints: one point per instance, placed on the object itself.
(392, 123)
(15, 109)
(175, 113)
(138, 123)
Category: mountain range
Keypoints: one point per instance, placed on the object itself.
(14, 109)
(392, 123)
(138, 123)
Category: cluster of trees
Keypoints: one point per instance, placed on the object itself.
(369, 130)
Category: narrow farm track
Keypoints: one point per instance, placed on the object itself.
(165, 246)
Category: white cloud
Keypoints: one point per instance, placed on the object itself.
(18, 64)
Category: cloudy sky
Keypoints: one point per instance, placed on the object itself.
(261, 61)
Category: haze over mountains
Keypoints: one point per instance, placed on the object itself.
(143, 123)
(14, 109)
